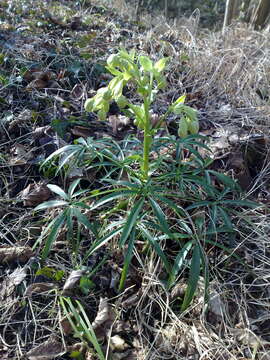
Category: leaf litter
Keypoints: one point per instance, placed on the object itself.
(54, 61)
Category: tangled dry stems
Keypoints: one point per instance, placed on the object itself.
(226, 70)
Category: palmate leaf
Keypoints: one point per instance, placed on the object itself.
(194, 274)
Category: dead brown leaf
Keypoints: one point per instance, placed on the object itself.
(18, 253)
(39, 288)
(117, 343)
(35, 194)
(73, 280)
(20, 155)
(46, 351)
(66, 326)
(9, 284)
(75, 23)
(103, 313)
(131, 300)
(37, 84)
(77, 92)
(21, 119)
(77, 347)
(126, 355)
(118, 122)
(82, 131)
(241, 171)
(40, 131)
(37, 74)
(104, 319)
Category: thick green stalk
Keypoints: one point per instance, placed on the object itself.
(147, 141)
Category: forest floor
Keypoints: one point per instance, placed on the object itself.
(52, 58)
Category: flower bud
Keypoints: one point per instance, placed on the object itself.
(193, 127)
(183, 128)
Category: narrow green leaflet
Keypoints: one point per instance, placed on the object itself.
(113, 196)
(200, 203)
(131, 220)
(50, 204)
(157, 249)
(193, 279)
(205, 267)
(79, 192)
(57, 224)
(128, 184)
(72, 187)
(160, 216)
(226, 218)
(84, 220)
(64, 149)
(98, 244)
(179, 262)
(56, 189)
(247, 203)
(178, 210)
(80, 322)
(128, 257)
(226, 180)
(88, 329)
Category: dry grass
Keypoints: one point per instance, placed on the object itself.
(223, 74)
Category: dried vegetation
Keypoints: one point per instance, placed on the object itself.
(52, 59)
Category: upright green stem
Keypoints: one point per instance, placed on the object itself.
(147, 141)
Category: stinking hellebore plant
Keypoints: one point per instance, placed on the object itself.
(148, 79)
(148, 202)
